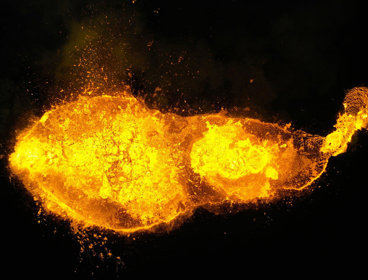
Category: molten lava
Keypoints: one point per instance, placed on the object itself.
(110, 161)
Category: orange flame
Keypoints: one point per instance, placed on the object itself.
(110, 161)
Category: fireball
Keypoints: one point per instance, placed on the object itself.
(110, 161)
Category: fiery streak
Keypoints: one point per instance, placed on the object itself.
(110, 161)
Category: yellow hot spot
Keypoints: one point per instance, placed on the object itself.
(272, 173)
(34, 154)
(105, 190)
(27, 154)
(225, 151)
(334, 142)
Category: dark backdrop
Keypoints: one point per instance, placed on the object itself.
(290, 61)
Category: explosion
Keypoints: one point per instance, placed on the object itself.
(110, 161)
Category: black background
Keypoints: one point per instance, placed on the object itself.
(302, 56)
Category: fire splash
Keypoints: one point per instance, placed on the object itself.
(110, 161)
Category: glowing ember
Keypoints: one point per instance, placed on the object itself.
(110, 161)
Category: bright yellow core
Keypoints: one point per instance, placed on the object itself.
(228, 152)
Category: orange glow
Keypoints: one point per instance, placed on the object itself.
(110, 161)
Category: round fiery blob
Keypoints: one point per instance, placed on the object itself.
(110, 161)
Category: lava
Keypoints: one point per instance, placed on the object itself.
(110, 161)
